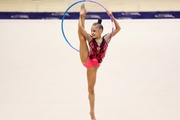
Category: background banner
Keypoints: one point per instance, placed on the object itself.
(90, 15)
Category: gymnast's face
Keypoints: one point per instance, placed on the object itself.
(96, 31)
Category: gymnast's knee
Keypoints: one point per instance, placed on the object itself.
(91, 91)
(81, 38)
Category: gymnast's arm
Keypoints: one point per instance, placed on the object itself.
(83, 31)
(117, 27)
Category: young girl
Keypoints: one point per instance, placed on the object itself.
(92, 58)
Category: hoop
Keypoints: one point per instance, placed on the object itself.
(62, 22)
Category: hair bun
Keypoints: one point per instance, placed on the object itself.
(99, 21)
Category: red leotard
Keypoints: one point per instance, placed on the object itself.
(96, 53)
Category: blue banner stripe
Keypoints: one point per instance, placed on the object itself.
(91, 15)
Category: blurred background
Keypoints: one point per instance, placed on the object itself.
(42, 78)
(113, 5)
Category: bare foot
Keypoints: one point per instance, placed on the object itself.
(83, 10)
(92, 116)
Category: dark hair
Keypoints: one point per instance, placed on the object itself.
(99, 23)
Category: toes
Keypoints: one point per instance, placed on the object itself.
(83, 10)
(83, 6)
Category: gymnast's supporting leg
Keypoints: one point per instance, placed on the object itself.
(91, 77)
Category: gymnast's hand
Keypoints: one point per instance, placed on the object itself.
(110, 14)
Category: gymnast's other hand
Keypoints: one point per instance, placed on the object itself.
(110, 14)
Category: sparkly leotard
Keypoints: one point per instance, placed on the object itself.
(96, 53)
